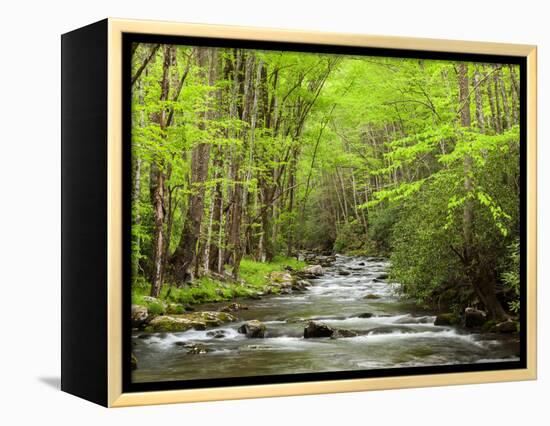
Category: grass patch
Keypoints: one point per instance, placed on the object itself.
(255, 273)
(139, 295)
(254, 277)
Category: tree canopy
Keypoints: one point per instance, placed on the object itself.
(241, 153)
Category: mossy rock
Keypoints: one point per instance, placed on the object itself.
(211, 316)
(134, 362)
(509, 326)
(175, 308)
(140, 316)
(171, 323)
(280, 277)
(371, 296)
(183, 322)
(447, 319)
(234, 307)
(489, 326)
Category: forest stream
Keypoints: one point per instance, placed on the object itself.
(392, 333)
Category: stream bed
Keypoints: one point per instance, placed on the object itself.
(394, 333)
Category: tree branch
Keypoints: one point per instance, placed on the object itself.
(145, 62)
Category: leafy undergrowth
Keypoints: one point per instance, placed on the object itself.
(254, 280)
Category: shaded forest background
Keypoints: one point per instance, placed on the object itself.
(243, 158)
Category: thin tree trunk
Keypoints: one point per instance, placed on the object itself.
(514, 95)
(504, 97)
(208, 242)
(480, 118)
(137, 189)
(497, 104)
(236, 212)
(145, 62)
(494, 117)
(158, 183)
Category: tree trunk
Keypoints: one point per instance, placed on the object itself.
(216, 218)
(505, 104)
(137, 191)
(478, 274)
(186, 252)
(158, 250)
(291, 185)
(497, 104)
(480, 118)
(514, 93)
(158, 183)
(494, 117)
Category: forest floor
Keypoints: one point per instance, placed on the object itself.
(255, 280)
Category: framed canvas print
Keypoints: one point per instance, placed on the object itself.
(250, 212)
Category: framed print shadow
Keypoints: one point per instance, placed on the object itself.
(254, 212)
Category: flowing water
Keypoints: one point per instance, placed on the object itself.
(396, 335)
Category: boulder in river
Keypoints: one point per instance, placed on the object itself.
(140, 315)
(344, 333)
(253, 329)
(300, 285)
(382, 276)
(216, 334)
(234, 307)
(198, 349)
(312, 271)
(280, 277)
(257, 347)
(343, 272)
(326, 261)
(447, 318)
(474, 318)
(390, 329)
(426, 319)
(317, 329)
(364, 315)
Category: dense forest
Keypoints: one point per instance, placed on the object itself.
(243, 158)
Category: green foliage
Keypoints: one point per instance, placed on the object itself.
(381, 223)
(154, 307)
(511, 277)
(255, 273)
(355, 154)
(422, 258)
(351, 238)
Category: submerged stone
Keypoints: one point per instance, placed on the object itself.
(371, 296)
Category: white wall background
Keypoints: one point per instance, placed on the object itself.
(30, 200)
